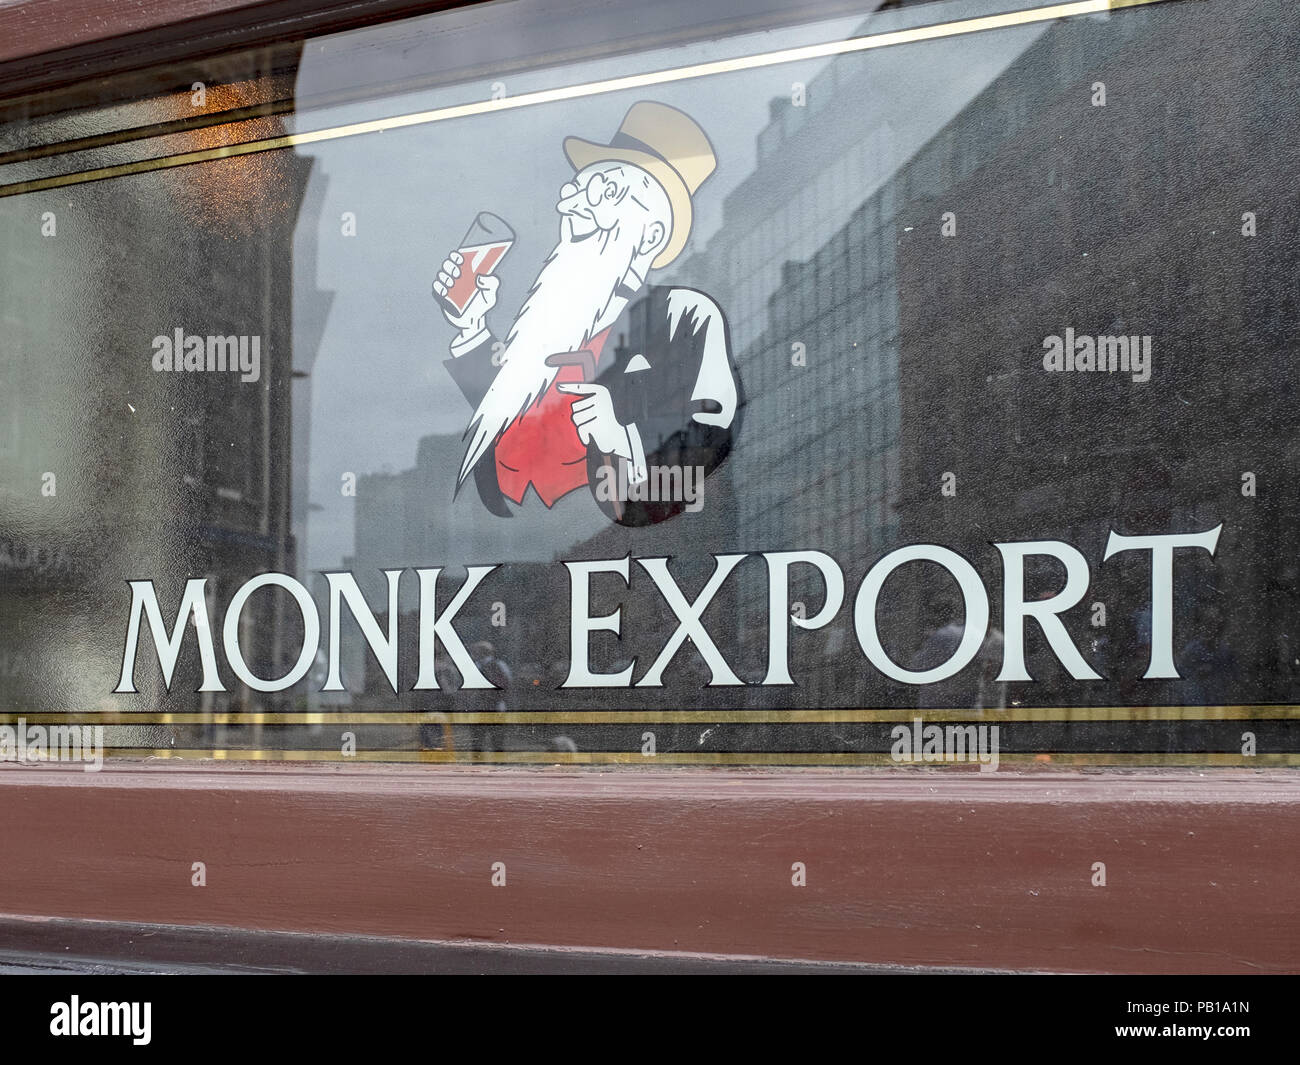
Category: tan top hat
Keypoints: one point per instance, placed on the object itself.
(670, 146)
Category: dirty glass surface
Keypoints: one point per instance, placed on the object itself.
(582, 383)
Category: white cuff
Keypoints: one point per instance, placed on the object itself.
(636, 471)
(462, 343)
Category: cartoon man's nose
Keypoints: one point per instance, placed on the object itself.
(571, 200)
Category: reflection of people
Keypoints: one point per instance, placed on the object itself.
(438, 700)
(943, 636)
(493, 669)
(487, 700)
(1208, 664)
(558, 402)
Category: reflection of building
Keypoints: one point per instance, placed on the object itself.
(813, 304)
(416, 518)
(401, 518)
(239, 465)
(878, 354)
(163, 475)
(1130, 225)
(310, 312)
(804, 267)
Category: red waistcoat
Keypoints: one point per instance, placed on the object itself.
(541, 446)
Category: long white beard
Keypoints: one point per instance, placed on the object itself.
(572, 293)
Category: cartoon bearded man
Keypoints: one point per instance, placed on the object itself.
(560, 406)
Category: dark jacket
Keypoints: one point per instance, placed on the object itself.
(672, 376)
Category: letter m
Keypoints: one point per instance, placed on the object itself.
(963, 742)
(65, 742)
(144, 602)
(115, 1018)
(1112, 353)
(666, 483)
(223, 353)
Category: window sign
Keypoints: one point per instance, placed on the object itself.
(906, 386)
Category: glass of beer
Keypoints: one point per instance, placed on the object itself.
(484, 246)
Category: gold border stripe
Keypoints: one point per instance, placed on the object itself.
(756, 758)
(169, 128)
(685, 717)
(932, 32)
